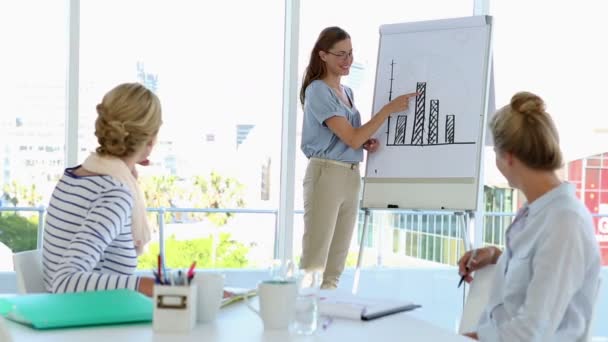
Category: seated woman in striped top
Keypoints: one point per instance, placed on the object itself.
(96, 222)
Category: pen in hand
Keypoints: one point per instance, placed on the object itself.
(468, 267)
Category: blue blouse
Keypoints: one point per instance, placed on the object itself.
(322, 103)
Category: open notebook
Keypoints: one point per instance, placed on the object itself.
(45, 311)
(235, 294)
(346, 305)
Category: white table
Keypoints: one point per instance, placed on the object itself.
(237, 323)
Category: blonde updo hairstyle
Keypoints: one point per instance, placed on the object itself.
(129, 116)
(525, 129)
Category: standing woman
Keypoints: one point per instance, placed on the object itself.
(333, 139)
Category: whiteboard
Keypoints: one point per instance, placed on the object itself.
(430, 155)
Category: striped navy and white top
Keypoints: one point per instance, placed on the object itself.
(88, 244)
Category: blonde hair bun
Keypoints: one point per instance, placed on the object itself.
(111, 134)
(129, 116)
(526, 130)
(527, 103)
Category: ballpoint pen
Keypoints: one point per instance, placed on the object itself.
(160, 272)
(468, 266)
(190, 273)
(327, 322)
(179, 278)
(171, 275)
(156, 277)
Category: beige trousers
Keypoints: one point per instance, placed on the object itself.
(331, 196)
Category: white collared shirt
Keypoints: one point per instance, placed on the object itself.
(545, 282)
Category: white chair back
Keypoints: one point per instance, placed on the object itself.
(589, 328)
(5, 334)
(28, 269)
(477, 298)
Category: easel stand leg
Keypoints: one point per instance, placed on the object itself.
(360, 257)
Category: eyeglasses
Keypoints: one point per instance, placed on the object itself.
(343, 55)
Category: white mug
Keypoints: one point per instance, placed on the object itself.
(277, 303)
(210, 292)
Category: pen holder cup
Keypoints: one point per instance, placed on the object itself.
(174, 308)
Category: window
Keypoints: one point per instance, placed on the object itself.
(32, 87)
(218, 73)
(551, 60)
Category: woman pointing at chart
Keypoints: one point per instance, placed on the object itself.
(333, 139)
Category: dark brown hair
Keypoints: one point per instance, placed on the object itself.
(316, 67)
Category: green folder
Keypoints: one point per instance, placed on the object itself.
(46, 311)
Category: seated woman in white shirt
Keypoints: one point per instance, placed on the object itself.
(545, 280)
(96, 225)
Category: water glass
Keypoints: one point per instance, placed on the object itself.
(307, 303)
(281, 270)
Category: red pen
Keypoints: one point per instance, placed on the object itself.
(160, 262)
(191, 270)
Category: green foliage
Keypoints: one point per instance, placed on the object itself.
(218, 192)
(351, 259)
(161, 192)
(215, 192)
(212, 191)
(18, 232)
(181, 253)
(21, 195)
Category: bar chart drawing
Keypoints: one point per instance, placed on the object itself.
(419, 114)
(400, 129)
(434, 122)
(425, 130)
(439, 137)
(449, 129)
